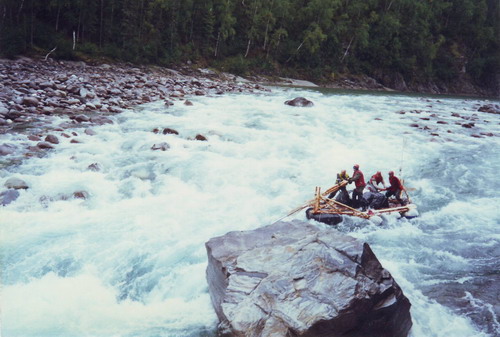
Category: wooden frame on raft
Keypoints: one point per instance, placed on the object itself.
(322, 205)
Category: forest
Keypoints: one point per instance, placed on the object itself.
(419, 39)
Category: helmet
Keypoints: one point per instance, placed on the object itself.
(356, 167)
(391, 173)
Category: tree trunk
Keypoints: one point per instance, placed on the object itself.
(4, 14)
(389, 7)
(101, 25)
(265, 34)
(78, 26)
(296, 51)
(251, 27)
(347, 50)
(217, 44)
(58, 16)
(32, 25)
(21, 9)
(248, 47)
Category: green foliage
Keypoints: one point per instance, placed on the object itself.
(423, 40)
(10, 43)
(236, 65)
(64, 50)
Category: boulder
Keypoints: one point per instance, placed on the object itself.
(169, 131)
(161, 146)
(296, 279)
(52, 139)
(6, 149)
(490, 108)
(30, 101)
(96, 167)
(81, 195)
(16, 183)
(6, 197)
(81, 118)
(44, 145)
(300, 101)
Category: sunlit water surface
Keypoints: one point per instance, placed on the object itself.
(130, 259)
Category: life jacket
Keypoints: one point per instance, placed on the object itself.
(395, 184)
(341, 177)
(360, 182)
(378, 178)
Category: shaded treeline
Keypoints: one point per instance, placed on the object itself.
(419, 39)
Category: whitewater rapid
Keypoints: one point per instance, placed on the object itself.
(130, 259)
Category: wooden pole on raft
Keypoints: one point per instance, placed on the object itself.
(355, 211)
(310, 203)
(317, 199)
(393, 209)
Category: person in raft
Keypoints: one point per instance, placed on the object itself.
(359, 182)
(395, 189)
(375, 181)
(340, 178)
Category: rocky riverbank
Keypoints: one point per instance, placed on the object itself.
(34, 91)
(394, 82)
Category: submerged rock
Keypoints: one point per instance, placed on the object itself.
(295, 279)
(168, 131)
(490, 108)
(6, 149)
(44, 145)
(300, 101)
(201, 137)
(52, 139)
(161, 146)
(6, 197)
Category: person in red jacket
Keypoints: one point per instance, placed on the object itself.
(359, 182)
(395, 189)
(374, 181)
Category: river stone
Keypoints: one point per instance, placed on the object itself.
(6, 197)
(296, 279)
(16, 183)
(52, 139)
(44, 145)
(81, 118)
(168, 131)
(6, 149)
(161, 146)
(300, 101)
(3, 108)
(30, 101)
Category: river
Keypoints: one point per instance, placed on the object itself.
(129, 260)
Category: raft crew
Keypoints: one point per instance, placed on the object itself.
(395, 189)
(373, 195)
(359, 182)
(375, 181)
(340, 178)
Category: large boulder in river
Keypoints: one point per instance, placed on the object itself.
(16, 183)
(296, 279)
(299, 101)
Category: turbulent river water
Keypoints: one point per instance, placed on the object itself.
(130, 259)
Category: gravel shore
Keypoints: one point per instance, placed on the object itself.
(33, 92)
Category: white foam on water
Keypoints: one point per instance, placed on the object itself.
(130, 259)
